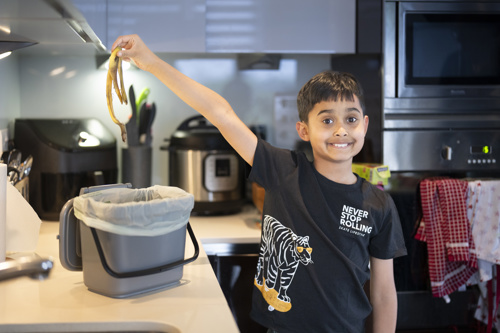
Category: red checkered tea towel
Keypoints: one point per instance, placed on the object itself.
(447, 233)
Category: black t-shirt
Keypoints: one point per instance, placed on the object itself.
(317, 239)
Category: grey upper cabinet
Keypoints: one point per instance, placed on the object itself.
(240, 26)
(164, 25)
(281, 26)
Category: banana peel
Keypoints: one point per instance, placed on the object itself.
(115, 71)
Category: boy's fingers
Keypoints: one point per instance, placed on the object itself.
(121, 41)
(124, 54)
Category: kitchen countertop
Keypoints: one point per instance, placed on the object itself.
(221, 234)
(196, 305)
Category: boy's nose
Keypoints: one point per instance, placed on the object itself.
(340, 131)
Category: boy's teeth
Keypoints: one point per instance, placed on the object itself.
(341, 145)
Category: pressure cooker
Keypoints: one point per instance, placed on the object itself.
(204, 164)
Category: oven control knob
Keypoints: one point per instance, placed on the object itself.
(446, 153)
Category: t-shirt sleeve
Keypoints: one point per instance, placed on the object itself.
(389, 241)
(266, 163)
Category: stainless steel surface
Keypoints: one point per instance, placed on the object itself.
(433, 150)
(437, 105)
(56, 27)
(389, 49)
(203, 163)
(25, 168)
(15, 157)
(13, 166)
(439, 122)
(431, 120)
(220, 172)
(432, 105)
(36, 268)
(188, 170)
(12, 42)
(439, 7)
(394, 44)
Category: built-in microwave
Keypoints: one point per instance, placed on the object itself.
(441, 56)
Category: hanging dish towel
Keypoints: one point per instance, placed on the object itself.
(483, 210)
(451, 255)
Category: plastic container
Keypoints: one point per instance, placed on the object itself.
(121, 266)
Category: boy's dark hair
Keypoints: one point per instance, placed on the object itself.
(327, 86)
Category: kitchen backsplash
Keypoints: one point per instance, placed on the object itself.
(9, 91)
(72, 87)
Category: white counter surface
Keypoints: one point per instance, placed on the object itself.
(196, 305)
(214, 231)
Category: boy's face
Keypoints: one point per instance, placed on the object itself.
(336, 130)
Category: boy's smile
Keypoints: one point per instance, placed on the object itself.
(336, 130)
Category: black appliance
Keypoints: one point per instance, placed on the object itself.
(68, 154)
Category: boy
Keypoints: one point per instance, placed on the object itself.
(322, 224)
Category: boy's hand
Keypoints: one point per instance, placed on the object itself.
(134, 49)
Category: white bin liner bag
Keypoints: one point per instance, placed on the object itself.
(152, 211)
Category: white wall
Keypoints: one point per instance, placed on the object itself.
(72, 87)
(9, 91)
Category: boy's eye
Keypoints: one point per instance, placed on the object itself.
(352, 119)
(327, 121)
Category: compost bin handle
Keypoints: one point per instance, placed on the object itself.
(147, 271)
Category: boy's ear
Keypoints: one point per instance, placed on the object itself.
(302, 130)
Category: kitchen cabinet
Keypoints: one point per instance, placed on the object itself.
(277, 26)
(235, 272)
(252, 26)
(164, 25)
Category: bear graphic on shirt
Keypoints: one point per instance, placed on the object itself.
(281, 252)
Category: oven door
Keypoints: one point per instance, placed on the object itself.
(448, 49)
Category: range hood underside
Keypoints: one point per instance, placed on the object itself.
(52, 27)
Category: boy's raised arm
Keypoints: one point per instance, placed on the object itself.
(204, 100)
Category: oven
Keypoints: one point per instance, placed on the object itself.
(440, 117)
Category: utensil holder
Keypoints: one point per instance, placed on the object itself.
(136, 166)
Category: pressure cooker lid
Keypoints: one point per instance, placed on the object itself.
(196, 133)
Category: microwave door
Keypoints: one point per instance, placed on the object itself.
(446, 50)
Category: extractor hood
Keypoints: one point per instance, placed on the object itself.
(46, 27)
(12, 42)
